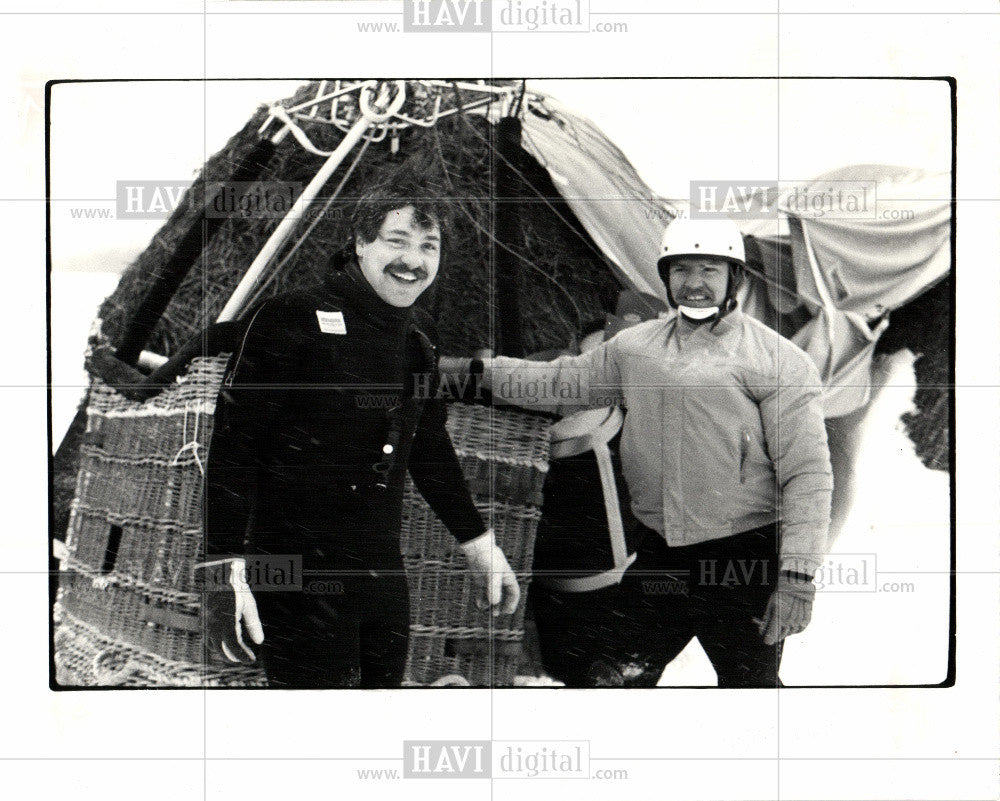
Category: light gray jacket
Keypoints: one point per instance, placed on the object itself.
(724, 429)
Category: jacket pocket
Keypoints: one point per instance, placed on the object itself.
(744, 451)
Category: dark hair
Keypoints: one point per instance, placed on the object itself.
(429, 207)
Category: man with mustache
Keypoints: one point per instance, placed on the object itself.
(316, 425)
(725, 455)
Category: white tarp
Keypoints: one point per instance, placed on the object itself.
(615, 206)
(881, 260)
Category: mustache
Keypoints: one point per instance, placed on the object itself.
(399, 265)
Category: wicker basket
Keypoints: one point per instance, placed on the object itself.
(127, 611)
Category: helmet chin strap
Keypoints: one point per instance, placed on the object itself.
(694, 313)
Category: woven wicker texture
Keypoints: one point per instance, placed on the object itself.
(504, 455)
(86, 656)
(128, 612)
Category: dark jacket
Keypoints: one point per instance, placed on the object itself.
(317, 422)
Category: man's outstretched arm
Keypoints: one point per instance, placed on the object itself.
(561, 386)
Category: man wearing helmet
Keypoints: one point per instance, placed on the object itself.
(724, 452)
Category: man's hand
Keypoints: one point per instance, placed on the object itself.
(492, 573)
(229, 607)
(789, 609)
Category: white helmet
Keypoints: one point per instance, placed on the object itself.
(719, 237)
(709, 237)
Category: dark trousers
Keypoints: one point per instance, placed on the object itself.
(712, 591)
(344, 629)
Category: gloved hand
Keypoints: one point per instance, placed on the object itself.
(228, 607)
(492, 573)
(789, 608)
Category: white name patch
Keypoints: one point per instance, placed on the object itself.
(331, 322)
